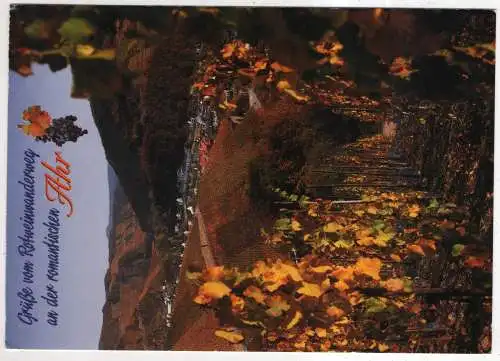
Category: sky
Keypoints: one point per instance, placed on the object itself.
(83, 242)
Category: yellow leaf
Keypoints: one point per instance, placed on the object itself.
(359, 212)
(296, 318)
(395, 257)
(341, 285)
(332, 227)
(310, 289)
(369, 266)
(231, 336)
(321, 332)
(382, 238)
(394, 285)
(296, 225)
(321, 269)
(382, 347)
(292, 272)
(414, 210)
(84, 50)
(372, 210)
(214, 290)
(415, 248)
(255, 293)
(283, 84)
(334, 311)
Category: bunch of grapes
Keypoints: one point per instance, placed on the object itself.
(62, 130)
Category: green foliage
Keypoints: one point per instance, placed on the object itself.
(76, 30)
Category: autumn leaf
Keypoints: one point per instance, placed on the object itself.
(212, 290)
(395, 257)
(415, 248)
(413, 210)
(296, 318)
(34, 130)
(277, 67)
(320, 269)
(277, 305)
(393, 285)
(237, 303)
(366, 241)
(296, 96)
(332, 227)
(334, 311)
(296, 226)
(283, 84)
(474, 262)
(344, 273)
(228, 50)
(320, 332)
(383, 237)
(255, 293)
(310, 289)
(233, 336)
(372, 210)
(215, 273)
(341, 285)
(382, 347)
(369, 266)
(374, 305)
(260, 65)
(342, 243)
(457, 249)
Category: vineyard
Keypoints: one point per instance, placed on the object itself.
(315, 181)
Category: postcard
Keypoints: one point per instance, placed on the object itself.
(250, 179)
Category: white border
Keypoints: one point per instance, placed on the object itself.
(9, 355)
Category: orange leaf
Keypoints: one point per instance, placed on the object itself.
(344, 273)
(213, 290)
(395, 257)
(415, 248)
(228, 50)
(341, 285)
(334, 311)
(277, 67)
(214, 273)
(474, 262)
(394, 285)
(369, 266)
(255, 293)
(237, 303)
(321, 332)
